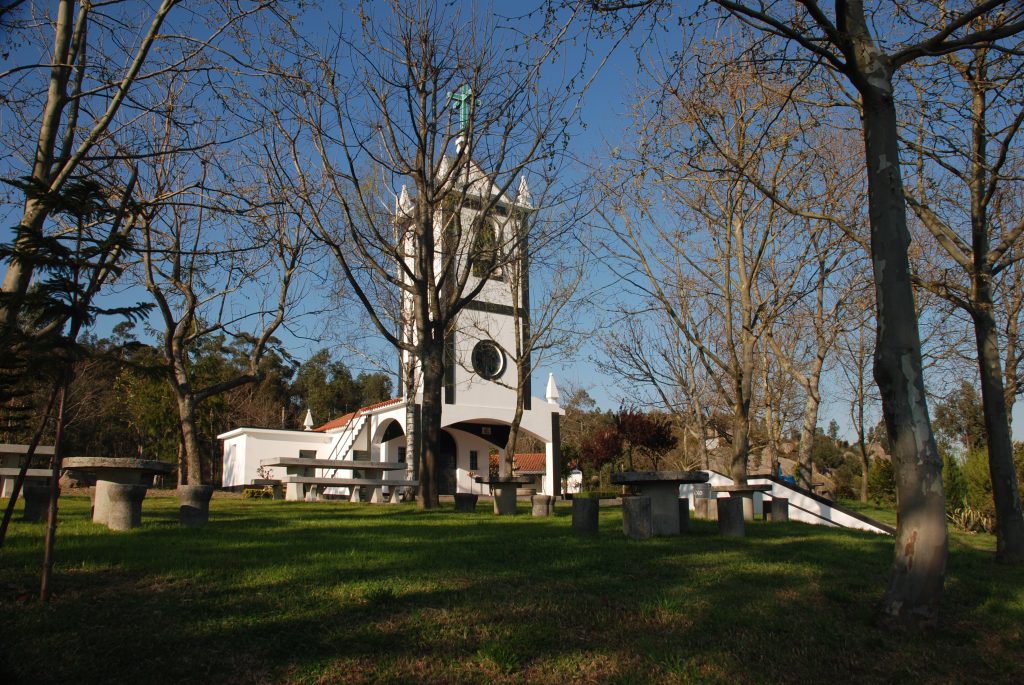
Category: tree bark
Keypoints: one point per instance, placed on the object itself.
(432, 363)
(186, 402)
(19, 273)
(740, 439)
(45, 585)
(807, 432)
(919, 564)
(1005, 491)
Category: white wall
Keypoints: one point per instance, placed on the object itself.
(246, 448)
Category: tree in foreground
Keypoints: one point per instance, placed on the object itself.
(963, 136)
(843, 41)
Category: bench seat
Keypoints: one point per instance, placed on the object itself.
(315, 480)
(355, 485)
(335, 463)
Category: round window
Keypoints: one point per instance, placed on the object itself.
(488, 359)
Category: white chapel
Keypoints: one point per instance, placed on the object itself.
(479, 395)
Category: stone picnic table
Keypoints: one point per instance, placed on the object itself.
(301, 475)
(504, 490)
(121, 486)
(663, 489)
(747, 493)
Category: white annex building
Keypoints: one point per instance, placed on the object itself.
(479, 391)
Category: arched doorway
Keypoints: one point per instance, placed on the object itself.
(447, 462)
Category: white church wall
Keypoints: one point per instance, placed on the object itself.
(246, 448)
(470, 388)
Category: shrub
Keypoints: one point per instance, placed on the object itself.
(258, 493)
(979, 482)
(953, 481)
(970, 520)
(882, 482)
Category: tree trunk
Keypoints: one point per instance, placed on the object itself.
(430, 426)
(740, 442)
(805, 449)
(919, 564)
(45, 585)
(19, 273)
(1005, 492)
(182, 465)
(412, 429)
(190, 437)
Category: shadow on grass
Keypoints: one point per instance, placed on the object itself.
(337, 593)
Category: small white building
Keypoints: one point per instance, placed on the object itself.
(479, 393)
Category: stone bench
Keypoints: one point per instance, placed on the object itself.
(746, 493)
(354, 484)
(32, 477)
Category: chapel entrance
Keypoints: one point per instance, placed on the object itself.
(446, 464)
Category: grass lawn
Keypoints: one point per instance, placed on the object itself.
(321, 593)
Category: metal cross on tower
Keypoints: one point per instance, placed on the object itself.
(462, 99)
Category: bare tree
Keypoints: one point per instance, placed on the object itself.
(843, 41)
(221, 255)
(962, 134)
(70, 98)
(717, 266)
(375, 109)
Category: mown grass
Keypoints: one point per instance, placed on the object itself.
(321, 593)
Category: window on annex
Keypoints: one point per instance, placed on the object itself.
(474, 460)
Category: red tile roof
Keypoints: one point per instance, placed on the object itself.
(343, 420)
(530, 463)
(524, 463)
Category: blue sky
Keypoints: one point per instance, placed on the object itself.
(605, 111)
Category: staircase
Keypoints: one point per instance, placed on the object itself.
(342, 449)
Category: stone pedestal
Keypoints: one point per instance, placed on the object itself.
(194, 509)
(584, 515)
(779, 512)
(99, 494)
(748, 504)
(700, 508)
(505, 499)
(37, 503)
(730, 517)
(123, 509)
(684, 514)
(543, 505)
(465, 502)
(637, 523)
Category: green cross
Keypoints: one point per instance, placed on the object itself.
(463, 101)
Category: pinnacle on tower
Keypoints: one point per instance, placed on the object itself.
(523, 198)
(551, 394)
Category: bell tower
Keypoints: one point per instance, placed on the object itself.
(491, 230)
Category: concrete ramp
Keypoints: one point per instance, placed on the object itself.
(804, 505)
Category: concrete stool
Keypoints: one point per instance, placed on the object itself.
(700, 509)
(637, 522)
(37, 503)
(465, 502)
(584, 515)
(124, 504)
(505, 500)
(779, 512)
(748, 505)
(195, 504)
(730, 517)
(543, 505)
(684, 514)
